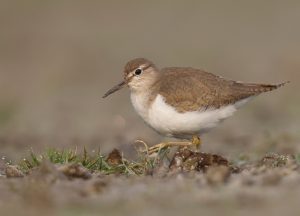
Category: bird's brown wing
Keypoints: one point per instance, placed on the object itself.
(189, 89)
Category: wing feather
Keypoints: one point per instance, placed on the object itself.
(190, 89)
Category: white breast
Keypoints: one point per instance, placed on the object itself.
(139, 102)
(167, 121)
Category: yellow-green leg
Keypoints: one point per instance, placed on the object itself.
(196, 141)
(163, 145)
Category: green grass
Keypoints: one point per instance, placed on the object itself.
(94, 162)
(97, 162)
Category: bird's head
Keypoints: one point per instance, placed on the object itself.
(139, 74)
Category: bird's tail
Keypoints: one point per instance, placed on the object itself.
(260, 88)
(254, 88)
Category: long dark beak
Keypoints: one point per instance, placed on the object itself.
(114, 89)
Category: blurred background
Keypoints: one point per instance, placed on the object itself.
(57, 59)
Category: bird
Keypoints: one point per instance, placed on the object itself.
(184, 102)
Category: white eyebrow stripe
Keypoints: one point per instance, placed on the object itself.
(145, 66)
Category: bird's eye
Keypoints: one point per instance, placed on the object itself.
(138, 71)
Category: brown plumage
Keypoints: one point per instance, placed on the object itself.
(136, 63)
(189, 89)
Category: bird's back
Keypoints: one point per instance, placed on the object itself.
(189, 89)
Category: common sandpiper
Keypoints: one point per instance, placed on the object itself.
(184, 102)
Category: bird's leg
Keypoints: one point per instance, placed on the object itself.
(163, 145)
(196, 141)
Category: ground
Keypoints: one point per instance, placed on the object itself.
(193, 183)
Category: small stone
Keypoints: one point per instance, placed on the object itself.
(13, 172)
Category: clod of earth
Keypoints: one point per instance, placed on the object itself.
(188, 160)
(114, 158)
(12, 171)
(272, 160)
(75, 171)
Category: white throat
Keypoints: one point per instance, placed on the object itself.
(140, 103)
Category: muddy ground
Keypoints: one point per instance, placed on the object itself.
(190, 184)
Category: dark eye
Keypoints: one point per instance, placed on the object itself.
(138, 71)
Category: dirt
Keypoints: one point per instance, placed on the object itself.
(193, 183)
(188, 160)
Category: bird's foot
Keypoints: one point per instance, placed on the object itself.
(196, 141)
(164, 145)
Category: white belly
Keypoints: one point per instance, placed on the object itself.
(167, 121)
